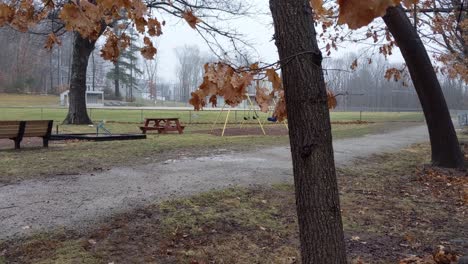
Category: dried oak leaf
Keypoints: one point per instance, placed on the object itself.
(6, 14)
(393, 73)
(274, 78)
(148, 51)
(198, 100)
(154, 27)
(317, 5)
(51, 41)
(280, 108)
(191, 19)
(409, 3)
(213, 100)
(354, 65)
(138, 8)
(85, 18)
(106, 4)
(331, 100)
(24, 16)
(140, 24)
(125, 41)
(208, 87)
(110, 50)
(358, 13)
(264, 98)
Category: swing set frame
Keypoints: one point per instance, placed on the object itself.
(251, 107)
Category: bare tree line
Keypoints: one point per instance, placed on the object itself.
(25, 67)
(367, 88)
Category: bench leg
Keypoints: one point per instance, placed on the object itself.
(45, 142)
(17, 143)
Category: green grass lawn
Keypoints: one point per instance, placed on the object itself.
(192, 117)
(25, 100)
(33, 107)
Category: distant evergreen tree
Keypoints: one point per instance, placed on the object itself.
(126, 68)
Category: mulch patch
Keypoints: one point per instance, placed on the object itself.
(270, 130)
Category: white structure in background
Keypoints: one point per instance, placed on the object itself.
(93, 98)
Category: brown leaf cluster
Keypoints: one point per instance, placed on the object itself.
(440, 256)
(393, 73)
(358, 13)
(89, 18)
(22, 14)
(191, 19)
(148, 51)
(331, 100)
(51, 41)
(221, 79)
(445, 183)
(264, 98)
(110, 50)
(84, 18)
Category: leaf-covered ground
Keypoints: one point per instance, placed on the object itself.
(394, 207)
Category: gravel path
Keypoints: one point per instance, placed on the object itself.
(82, 200)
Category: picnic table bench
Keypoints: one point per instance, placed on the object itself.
(162, 125)
(17, 130)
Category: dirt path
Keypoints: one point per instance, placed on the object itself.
(82, 200)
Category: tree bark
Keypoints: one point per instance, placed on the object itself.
(317, 199)
(444, 142)
(77, 113)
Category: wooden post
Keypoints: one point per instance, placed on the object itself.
(214, 124)
(225, 122)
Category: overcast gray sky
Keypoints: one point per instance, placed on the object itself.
(257, 30)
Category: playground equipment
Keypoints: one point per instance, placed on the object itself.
(101, 126)
(252, 109)
(272, 118)
(106, 135)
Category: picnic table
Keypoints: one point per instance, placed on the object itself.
(162, 125)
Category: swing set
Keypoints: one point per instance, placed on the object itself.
(251, 114)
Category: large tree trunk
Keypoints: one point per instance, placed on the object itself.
(444, 142)
(317, 200)
(77, 113)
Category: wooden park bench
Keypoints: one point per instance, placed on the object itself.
(162, 125)
(17, 130)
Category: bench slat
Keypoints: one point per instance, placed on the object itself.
(34, 134)
(8, 136)
(9, 132)
(9, 128)
(8, 123)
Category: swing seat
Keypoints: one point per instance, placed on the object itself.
(272, 119)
